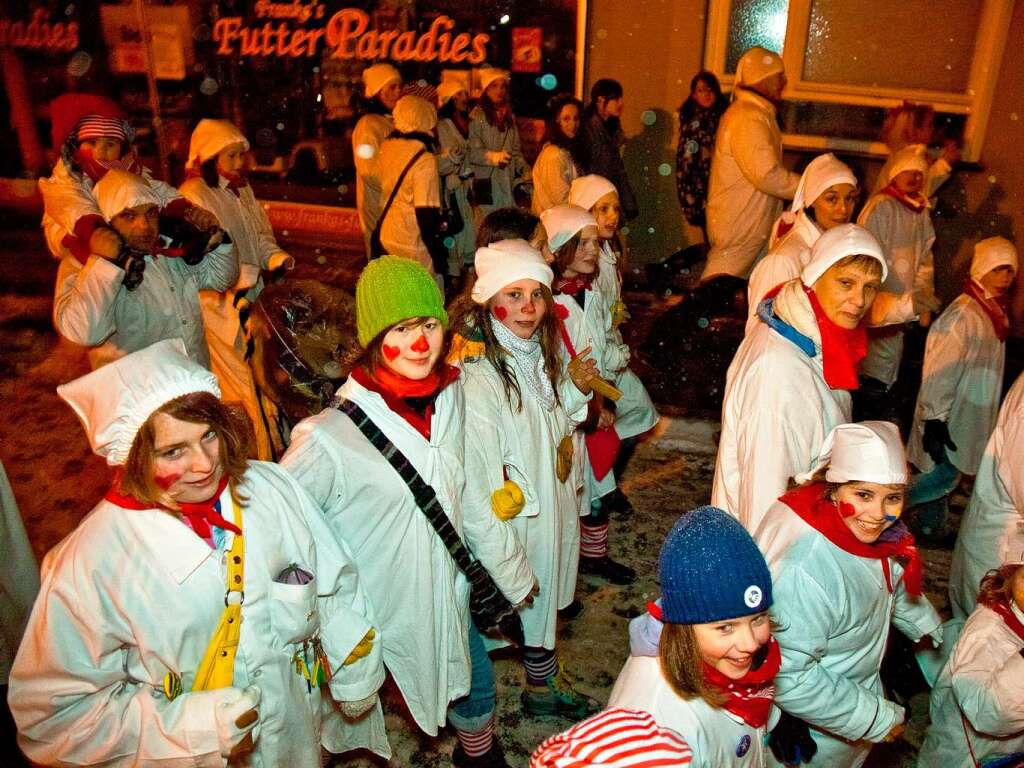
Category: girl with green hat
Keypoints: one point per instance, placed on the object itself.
(404, 391)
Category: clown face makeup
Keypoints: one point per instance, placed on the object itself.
(868, 509)
(411, 349)
(520, 307)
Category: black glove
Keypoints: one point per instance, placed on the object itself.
(791, 741)
(936, 440)
(134, 265)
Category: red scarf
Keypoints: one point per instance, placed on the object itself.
(97, 169)
(397, 389)
(994, 308)
(199, 516)
(573, 285)
(815, 509)
(841, 349)
(749, 698)
(915, 203)
(1007, 615)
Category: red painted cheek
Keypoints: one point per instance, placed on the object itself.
(420, 345)
(166, 481)
(500, 312)
(390, 352)
(846, 509)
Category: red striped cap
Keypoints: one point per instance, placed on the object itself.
(615, 738)
(97, 127)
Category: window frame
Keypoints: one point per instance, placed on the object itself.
(975, 102)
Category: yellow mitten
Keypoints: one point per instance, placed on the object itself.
(619, 313)
(508, 501)
(362, 649)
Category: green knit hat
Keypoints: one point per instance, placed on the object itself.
(392, 289)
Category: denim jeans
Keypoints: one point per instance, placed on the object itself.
(472, 712)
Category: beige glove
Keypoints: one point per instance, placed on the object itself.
(280, 260)
(500, 159)
(236, 717)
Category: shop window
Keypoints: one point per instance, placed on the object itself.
(848, 61)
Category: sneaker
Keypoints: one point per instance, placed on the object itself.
(558, 699)
(571, 611)
(606, 568)
(493, 758)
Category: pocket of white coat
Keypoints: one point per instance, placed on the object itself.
(293, 611)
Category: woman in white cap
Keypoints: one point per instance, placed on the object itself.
(561, 159)
(899, 217)
(411, 409)
(203, 608)
(120, 304)
(216, 181)
(521, 411)
(748, 181)
(573, 239)
(411, 188)
(709, 676)
(825, 198)
(977, 704)
(789, 383)
(382, 87)
(990, 531)
(494, 146)
(843, 567)
(454, 167)
(961, 383)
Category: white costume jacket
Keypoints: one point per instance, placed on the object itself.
(455, 171)
(785, 261)
(421, 188)
(484, 138)
(367, 138)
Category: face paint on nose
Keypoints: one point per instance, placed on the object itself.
(500, 312)
(421, 344)
(390, 352)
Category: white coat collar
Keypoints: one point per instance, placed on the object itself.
(378, 410)
(750, 97)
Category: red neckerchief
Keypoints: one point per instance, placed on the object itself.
(573, 285)
(841, 349)
(994, 308)
(915, 203)
(783, 228)
(396, 390)
(198, 516)
(749, 698)
(814, 508)
(97, 169)
(1007, 615)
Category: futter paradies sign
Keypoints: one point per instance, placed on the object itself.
(278, 32)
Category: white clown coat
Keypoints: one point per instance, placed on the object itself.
(92, 307)
(785, 261)
(367, 138)
(961, 383)
(776, 413)
(977, 704)
(747, 187)
(420, 597)
(421, 188)
(484, 138)
(906, 238)
(131, 595)
(456, 173)
(524, 444)
(992, 529)
(833, 611)
(19, 577)
(718, 738)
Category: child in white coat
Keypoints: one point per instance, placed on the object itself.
(202, 612)
(961, 384)
(843, 567)
(573, 239)
(382, 87)
(710, 678)
(521, 412)
(977, 704)
(217, 182)
(143, 294)
(414, 400)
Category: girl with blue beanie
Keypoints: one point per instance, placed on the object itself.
(404, 391)
(711, 680)
(844, 568)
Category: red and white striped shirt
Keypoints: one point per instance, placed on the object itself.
(615, 738)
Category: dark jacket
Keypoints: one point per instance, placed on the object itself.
(606, 160)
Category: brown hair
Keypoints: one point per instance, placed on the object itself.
(683, 666)
(233, 430)
(863, 262)
(997, 585)
(370, 357)
(566, 253)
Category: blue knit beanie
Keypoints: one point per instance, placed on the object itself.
(711, 570)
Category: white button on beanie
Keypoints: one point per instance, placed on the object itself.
(867, 451)
(375, 77)
(835, 245)
(990, 253)
(119, 189)
(113, 402)
(585, 191)
(505, 262)
(210, 138)
(562, 222)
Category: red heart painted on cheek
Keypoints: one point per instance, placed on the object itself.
(500, 312)
(389, 352)
(166, 481)
(421, 344)
(846, 509)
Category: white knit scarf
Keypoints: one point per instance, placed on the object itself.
(529, 360)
